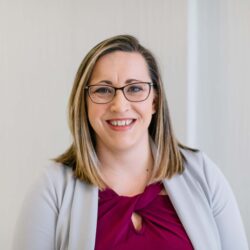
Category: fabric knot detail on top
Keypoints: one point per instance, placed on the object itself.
(160, 226)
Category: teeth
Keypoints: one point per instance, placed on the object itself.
(121, 123)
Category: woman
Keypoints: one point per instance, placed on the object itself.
(125, 182)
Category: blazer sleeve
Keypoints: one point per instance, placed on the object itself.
(225, 210)
(37, 221)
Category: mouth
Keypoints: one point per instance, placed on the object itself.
(121, 123)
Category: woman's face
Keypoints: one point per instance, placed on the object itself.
(121, 124)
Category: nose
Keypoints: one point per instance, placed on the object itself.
(119, 103)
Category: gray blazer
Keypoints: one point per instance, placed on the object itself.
(60, 212)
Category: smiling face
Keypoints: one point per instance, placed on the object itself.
(121, 124)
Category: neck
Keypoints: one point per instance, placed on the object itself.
(126, 171)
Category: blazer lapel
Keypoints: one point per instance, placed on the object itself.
(83, 217)
(193, 211)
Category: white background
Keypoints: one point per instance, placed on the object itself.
(203, 51)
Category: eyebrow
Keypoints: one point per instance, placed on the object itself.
(128, 81)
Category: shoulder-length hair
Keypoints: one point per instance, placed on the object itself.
(81, 155)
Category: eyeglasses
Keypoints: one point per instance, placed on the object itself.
(134, 92)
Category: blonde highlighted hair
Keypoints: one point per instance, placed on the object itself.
(81, 155)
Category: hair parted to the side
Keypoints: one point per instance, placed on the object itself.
(81, 155)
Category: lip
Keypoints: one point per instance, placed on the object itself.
(121, 128)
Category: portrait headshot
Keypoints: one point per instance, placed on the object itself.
(125, 125)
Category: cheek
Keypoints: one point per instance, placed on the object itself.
(146, 111)
(95, 114)
(91, 116)
(91, 113)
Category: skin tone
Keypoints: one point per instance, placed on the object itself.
(123, 151)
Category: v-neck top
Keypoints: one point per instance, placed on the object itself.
(161, 228)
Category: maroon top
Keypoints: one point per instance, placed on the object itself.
(161, 227)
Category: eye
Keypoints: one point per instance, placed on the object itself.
(102, 90)
(135, 88)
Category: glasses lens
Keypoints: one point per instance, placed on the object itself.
(101, 94)
(137, 92)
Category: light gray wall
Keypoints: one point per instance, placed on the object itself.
(41, 46)
(223, 87)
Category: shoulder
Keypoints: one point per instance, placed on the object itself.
(206, 176)
(54, 183)
(43, 207)
(198, 162)
(200, 166)
(57, 173)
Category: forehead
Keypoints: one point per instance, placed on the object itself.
(121, 64)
